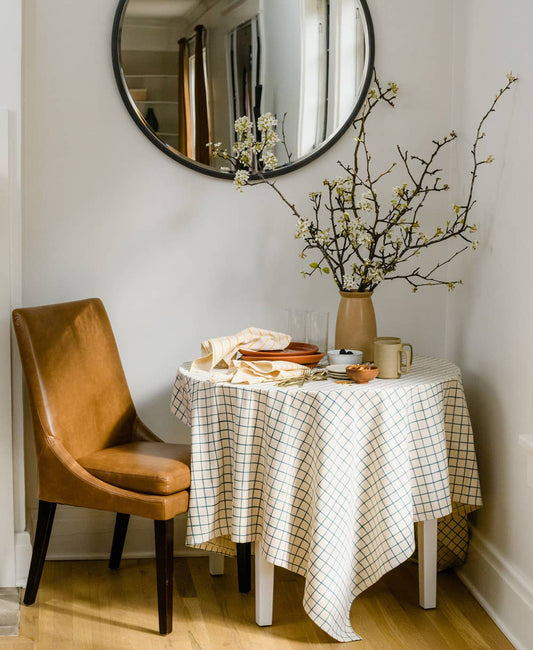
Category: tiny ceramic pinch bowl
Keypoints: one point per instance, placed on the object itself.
(362, 373)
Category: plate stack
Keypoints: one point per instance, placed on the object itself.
(303, 353)
(337, 372)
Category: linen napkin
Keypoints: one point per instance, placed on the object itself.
(256, 372)
(221, 352)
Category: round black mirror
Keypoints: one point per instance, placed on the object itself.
(187, 69)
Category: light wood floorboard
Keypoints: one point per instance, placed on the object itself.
(85, 606)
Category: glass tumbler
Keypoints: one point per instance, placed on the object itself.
(317, 329)
(296, 325)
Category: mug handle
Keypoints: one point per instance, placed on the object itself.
(404, 369)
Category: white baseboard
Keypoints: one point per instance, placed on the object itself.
(505, 594)
(22, 558)
(82, 534)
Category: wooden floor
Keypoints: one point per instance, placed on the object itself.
(84, 605)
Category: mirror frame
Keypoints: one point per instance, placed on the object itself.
(205, 169)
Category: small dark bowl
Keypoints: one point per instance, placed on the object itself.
(362, 373)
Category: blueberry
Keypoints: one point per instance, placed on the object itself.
(343, 351)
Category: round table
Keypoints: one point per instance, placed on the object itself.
(327, 478)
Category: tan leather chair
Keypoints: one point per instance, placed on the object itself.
(92, 449)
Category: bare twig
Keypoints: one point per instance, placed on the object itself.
(365, 240)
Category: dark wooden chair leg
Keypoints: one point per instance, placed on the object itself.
(164, 557)
(119, 536)
(244, 566)
(45, 520)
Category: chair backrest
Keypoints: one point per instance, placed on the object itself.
(76, 383)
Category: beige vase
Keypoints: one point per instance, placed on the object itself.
(356, 323)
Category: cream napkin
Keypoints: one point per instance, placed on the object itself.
(256, 372)
(223, 350)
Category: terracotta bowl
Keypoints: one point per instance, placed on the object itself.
(362, 373)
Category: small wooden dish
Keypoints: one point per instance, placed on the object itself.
(362, 373)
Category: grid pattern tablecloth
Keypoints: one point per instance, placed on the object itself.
(329, 477)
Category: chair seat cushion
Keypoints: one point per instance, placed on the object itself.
(150, 467)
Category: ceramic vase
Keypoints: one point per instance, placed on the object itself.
(356, 323)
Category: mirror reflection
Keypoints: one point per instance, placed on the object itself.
(189, 68)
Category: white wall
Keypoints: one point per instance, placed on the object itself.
(175, 255)
(489, 322)
(7, 532)
(12, 513)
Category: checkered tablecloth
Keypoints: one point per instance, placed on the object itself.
(329, 477)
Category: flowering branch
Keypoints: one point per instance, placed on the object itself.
(361, 239)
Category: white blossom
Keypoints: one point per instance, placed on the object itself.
(241, 179)
(239, 147)
(271, 139)
(366, 239)
(245, 157)
(302, 230)
(269, 160)
(375, 273)
(365, 203)
(348, 282)
(266, 121)
(357, 224)
(323, 236)
(242, 125)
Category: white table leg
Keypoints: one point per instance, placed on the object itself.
(427, 563)
(216, 564)
(264, 588)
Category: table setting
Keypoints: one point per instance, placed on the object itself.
(327, 475)
(329, 467)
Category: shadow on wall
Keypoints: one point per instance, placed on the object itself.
(494, 464)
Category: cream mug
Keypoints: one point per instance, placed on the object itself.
(389, 339)
(392, 357)
(394, 339)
